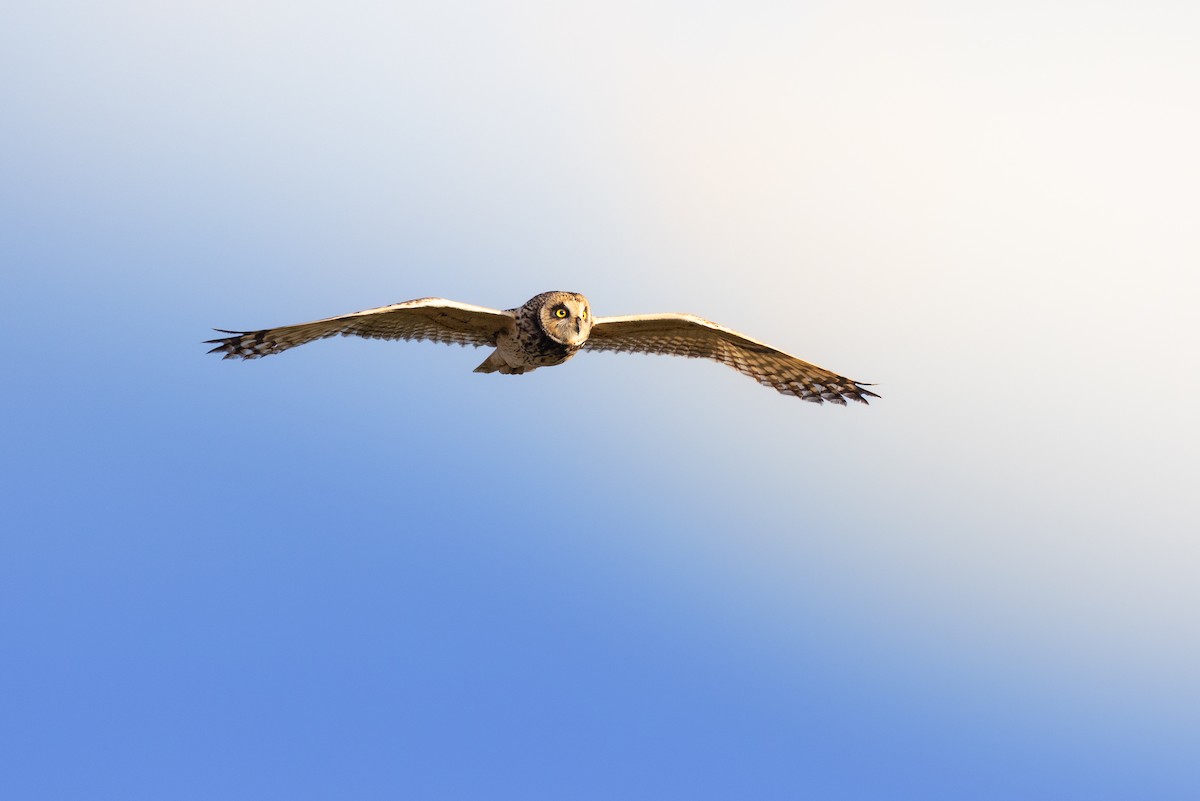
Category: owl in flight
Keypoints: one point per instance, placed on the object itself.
(551, 328)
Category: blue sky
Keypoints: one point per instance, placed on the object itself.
(360, 570)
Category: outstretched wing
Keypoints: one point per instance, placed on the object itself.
(435, 319)
(695, 337)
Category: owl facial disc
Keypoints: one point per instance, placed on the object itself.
(566, 318)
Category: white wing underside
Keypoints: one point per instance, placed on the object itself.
(694, 337)
(435, 319)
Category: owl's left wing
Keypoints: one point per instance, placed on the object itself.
(695, 337)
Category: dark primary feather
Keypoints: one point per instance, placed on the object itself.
(435, 319)
(695, 337)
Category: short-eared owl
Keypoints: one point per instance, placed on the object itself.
(551, 328)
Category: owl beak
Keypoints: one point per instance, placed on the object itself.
(578, 326)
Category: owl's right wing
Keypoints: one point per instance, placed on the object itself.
(695, 337)
(436, 319)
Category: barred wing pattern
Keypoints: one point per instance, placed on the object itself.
(435, 319)
(695, 337)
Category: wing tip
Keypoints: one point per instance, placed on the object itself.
(837, 395)
(231, 347)
(861, 394)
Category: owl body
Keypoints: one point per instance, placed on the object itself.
(552, 328)
(547, 330)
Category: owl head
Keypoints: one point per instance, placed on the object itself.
(565, 317)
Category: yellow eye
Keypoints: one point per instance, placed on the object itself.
(583, 315)
(560, 313)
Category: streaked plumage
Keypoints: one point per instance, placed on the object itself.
(551, 328)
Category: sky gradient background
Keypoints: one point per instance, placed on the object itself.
(358, 570)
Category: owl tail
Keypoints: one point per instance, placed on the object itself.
(493, 364)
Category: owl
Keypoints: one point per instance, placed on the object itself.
(550, 329)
